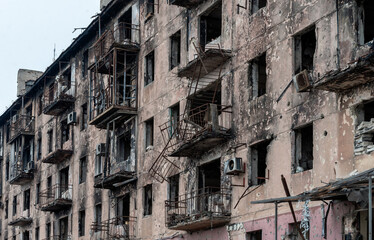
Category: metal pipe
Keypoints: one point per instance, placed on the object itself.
(276, 221)
(370, 208)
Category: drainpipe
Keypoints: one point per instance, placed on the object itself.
(276, 221)
(370, 208)
(337, 35)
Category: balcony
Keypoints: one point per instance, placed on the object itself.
(20, 174)
(21, 222)
(186, 3)
(58, 156)
(109, 182)
(21, 125)
(57, 237)
(123, 228)
(56, 198)
(59, 96)
(357, 73)
(199, 210)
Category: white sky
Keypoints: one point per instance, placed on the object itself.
(29, 29)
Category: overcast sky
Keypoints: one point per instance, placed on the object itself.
(29, 29)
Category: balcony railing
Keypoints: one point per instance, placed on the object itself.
(57, 237)
(204, 208)
(20, 174)
(124, 35)
(116, 228)
(21, 125)
(56, 198)
(59, 96)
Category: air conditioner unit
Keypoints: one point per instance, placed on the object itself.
(14, 119)
(100, 149)
(72, 118)
(234, 166)
(302, 81)
(30, 166)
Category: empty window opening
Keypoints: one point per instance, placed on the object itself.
(28, 153)
(48, 230)
(123, 207)
(14, 205)
(64, 179)
(147, 200)
(82, 223)
(174, 118)
(150, 6)
(173, 193)
(7, 168)
(259, 154)
(364, 138)
(64, 228)
(149, 68)
(6, 209)
(124, 24)
(365, 21)
(37, 237)
(85, 63)
(40, 104)
(39, 148)
(304, 148)
(255, 235)
(26, 200)
(257, 76)
(149, 133)
(84, 122)
(64, 131)
(37, 193)
(66, 80)
(210, 176)
(26, 235)
(126, 79)
(305, 47)
(29, 111)
(124, 147)
(294, 234)
(50, 141)
(210, 25)
(49, 186)
(83, 170)
(257, 5)
(175, 50)
(98, 213)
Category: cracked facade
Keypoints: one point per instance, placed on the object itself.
(169, 119)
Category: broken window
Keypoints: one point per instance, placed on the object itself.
(98, 213)
(305, 47)
(14, 205)
(174, 190)
(210, 175)
(39, 147)
(50, 141)
(150, 7)
(64, 131)
(257, 76)
(149, 68)
(123, 207)
(149, 133)
(210, 25)
(174, 118)
(84, 122)
(304, 148)
(124, 147)
(85, 63)
(83, 170)
(257, 5)
(6, 208)
(259, 162)
(48, 230)
(147, 200)
(255, 235)
(26, 200)
(82, 223)
(294, 234)
(175, 50)
(37, 237)
(37, 193)
(365, 21)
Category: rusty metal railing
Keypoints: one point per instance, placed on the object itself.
(123, 227)
(191, 207)
(56, 192)
(57, 237)
(61, 89)
(22, 124)
(18, 169)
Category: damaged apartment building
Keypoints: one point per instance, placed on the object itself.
(197, 119)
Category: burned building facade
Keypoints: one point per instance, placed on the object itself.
(192, 119)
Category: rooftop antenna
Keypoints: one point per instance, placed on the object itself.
(54, 52)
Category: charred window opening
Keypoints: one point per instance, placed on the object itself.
(305, 47)
(175, 50)
(257, 5)
(83, 170)
(210, 175)
(255, 235)
(294, 233)
(37, 193)
(149, 133)
(123, 207)
(259, 154)
(26, 200)
(364, 137)
(149, 68)
(64, 231)
(174, 190)
(82, 223)
(50, 141)
(210, 25)
(365, 21)
(64, 131)
(174, 118)
(257, 76)
(125, 25)
(14, 205)
(124, 147)
(304, 148)
(98, 213)
(84, 123)
(148, 200)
